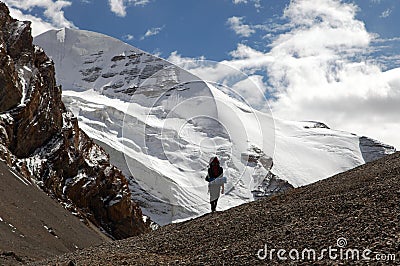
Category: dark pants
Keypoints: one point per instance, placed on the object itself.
(214, 205)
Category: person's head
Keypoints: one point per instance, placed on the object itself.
(214, 161)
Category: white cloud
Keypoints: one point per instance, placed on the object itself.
(317, 69)
(386, 13)
(237, 74)
(52, 11)
(152, 32)
(140, 2)
(241, 29)
(252, 89)
(128, 37)
(118, 7)
(38, 25)
(318, 74)
(256, 3)
(239, 2)
(380, 40)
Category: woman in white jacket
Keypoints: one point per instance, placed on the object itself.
(216, 182)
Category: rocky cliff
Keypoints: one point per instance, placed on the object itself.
(41, 139)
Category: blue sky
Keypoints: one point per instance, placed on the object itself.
(327, 60)
(194, 28)
(202, 28)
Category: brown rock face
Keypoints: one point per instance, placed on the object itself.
(9, 95)
(41, 139)
(10, 92)
(28, 87)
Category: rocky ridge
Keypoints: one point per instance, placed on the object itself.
(41, 139)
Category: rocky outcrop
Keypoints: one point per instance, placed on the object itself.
(268, 184)
(372, 149)
(42, 140)
(271, 185)
(10, 95)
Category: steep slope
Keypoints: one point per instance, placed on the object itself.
(168, 123)
(41, 140)
(34, 226)
(354, 210)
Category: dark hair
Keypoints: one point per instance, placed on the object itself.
(214, 161)
(214, 169)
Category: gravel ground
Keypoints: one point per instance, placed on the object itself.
(358, 210)
(33, 226)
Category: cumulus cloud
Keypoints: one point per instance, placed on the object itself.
(118, 7)
(252, 89)
(52, 11)
(238, 74)
(38, 25)
(319, 68)
(185, 62)
(241, 29)
(319, 72)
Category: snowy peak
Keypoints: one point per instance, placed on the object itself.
(109, 66)
(168, 123)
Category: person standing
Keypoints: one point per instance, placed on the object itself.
(215, 182)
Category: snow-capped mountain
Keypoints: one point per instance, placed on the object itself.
(161, 124)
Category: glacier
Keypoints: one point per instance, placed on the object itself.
(161, 124)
